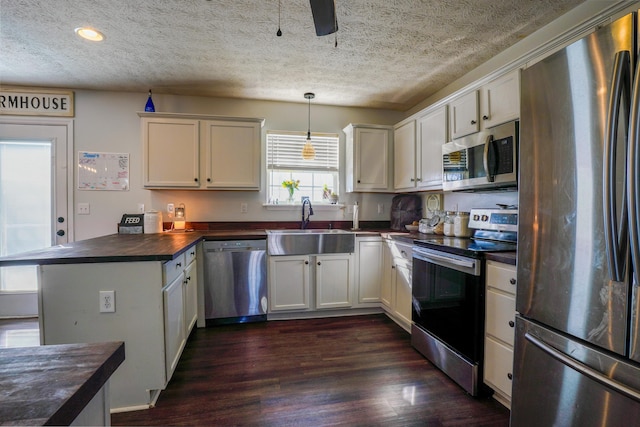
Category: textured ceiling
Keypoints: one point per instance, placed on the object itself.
(391, 53)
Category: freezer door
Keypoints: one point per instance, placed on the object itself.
(560, 382)
(570, 276)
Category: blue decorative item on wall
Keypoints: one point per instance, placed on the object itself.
(150, 108)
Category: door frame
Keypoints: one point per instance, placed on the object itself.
(28, 299)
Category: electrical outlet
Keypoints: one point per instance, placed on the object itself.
(141, 208)
(84, 209)
(243, 208)
(107, 301)
(170, 209)
(380, 208)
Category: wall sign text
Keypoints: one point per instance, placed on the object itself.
(36, 102)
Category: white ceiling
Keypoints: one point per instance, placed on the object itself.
(391, 54)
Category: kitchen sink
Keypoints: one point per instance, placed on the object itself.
(310, 242)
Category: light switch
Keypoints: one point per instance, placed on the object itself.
(83, 209)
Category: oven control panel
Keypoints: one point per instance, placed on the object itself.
(494, 219)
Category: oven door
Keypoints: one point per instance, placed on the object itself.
(448, 300)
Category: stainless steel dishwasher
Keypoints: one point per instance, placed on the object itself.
(235, 281)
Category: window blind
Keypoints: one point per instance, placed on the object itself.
(284, 151)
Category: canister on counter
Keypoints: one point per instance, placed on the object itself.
(449, 223)
(461, 225)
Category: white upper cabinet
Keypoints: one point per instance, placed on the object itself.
(431, 134)
(201, 152)
(171, 150)
(232, 154)
(404, 170)
(463, 115)
(500, 100)
(368, 152)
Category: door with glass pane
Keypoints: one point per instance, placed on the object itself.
(34, 186)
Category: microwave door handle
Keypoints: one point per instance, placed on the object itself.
(633, 174)
(619, 90)
(485, 158)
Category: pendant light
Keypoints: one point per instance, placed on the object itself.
(308, 152)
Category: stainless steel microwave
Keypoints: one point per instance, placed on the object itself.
(484, 160)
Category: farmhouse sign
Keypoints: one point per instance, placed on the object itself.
(36, 102)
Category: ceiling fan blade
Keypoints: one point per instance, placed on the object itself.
(324, 16)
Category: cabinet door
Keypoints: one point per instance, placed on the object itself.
(402, 290)
(190, 296)
(334, 280)
(370, 270)
(498, 366)
(501, 100)
(288, 283)
(170, 153)
(174, 324)
(432, 135)
(463, 113)
(232, 154)
(372, 159)
(500, 316)
(404, 143)
(386, 294)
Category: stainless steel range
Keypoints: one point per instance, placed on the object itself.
(448, 294)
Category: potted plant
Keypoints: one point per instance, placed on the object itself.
(333, 198)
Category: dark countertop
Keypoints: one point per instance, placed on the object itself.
(52, 384)
(504, 257)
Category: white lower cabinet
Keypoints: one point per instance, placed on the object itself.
(396, 288)
(499, 329)
(294, 278)
(369, 269)
(174, 323)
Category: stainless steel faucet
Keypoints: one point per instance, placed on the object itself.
(305, 221)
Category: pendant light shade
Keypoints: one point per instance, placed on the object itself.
(308, 152)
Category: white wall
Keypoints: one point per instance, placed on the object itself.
(108, 122)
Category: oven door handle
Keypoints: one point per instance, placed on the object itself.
(467, 266)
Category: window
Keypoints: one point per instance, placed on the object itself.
(285, 162)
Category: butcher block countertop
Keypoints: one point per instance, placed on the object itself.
(123, 248)
(52, 384)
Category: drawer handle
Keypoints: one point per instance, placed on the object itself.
(510, 375)
(512, 281)
(512, 323)
(192, 253)
(178, 265)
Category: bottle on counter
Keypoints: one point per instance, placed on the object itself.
(461, 225)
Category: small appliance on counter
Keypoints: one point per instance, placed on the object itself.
(405, 208)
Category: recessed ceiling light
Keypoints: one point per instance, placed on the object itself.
(90, 34)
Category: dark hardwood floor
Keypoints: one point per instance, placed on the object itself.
(348, 371)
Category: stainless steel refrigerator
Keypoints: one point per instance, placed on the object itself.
(577, 354)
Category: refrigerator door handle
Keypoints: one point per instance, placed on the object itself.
(613, 240)
(583, 369)
(633, 161)
(485, 159)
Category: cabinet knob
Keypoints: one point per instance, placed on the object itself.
(512, 281)
(412, 179)
(510, 375)
(393, 266)
(306, 262)
(418, 179)
(473, 122)
(178, 265)
(208, 179)
(485, 117)
(192, 253)
(319, 263)
(358, 181)
(60, 219)
(512, 323)
(195, 179)
(60, 233)
(188, 278)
